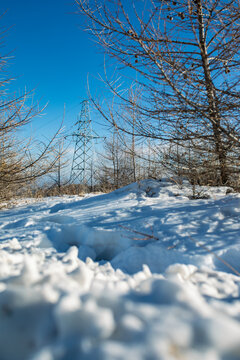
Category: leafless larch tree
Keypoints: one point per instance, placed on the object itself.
(186, 55)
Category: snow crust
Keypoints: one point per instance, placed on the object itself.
(124, 275)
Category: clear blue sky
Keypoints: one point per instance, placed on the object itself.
(50, 53)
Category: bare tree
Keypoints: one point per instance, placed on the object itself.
(108, 174)
(21, 160)
(59, 176)
(186, 54)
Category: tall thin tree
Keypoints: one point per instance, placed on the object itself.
(186, 53)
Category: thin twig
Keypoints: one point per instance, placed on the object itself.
(147, 236)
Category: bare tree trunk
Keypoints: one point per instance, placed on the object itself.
(133, 154)
(211, 95)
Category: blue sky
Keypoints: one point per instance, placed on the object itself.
(51, 53)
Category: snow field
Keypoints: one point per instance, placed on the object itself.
(78, 281)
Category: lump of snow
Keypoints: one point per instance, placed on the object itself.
(74, 318)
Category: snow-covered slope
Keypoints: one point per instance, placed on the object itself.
(140, 273)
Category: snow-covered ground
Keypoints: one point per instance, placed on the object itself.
(140, 273)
